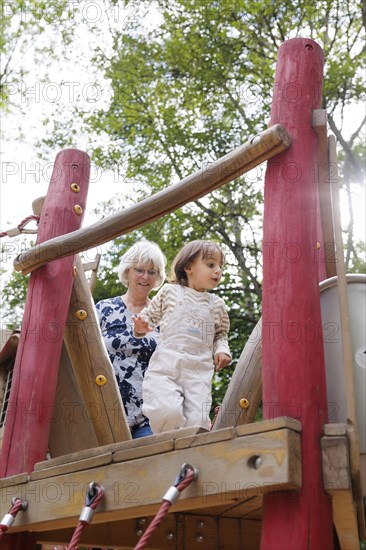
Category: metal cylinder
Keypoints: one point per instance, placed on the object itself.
(172, 495)
(86, 514)
(7, 520)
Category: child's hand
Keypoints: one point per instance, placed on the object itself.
(141, 324)
(221, 361)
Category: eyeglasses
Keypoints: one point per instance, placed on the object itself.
(140, 272)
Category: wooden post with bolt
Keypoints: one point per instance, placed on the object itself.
(293, 358)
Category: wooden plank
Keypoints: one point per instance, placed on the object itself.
(336, 466)
(337, 483)
(17, 479)
(229, 534)
(19, 541)
(9, 344)
(115, 447)
(71, 427)
(205, 438)
(336, 428)
(135, 488)
(202, 532)
(90, 361)
(80, 465)
(246, 382)
(352, 424)
(345, 519)
(176, 531)
(242, 508)
(147, 450)
(246, 157)
(32, 395)
(122, 535)
(322, 173)
(269, 425)
(293, 372)
(251, 534)
(93, 267)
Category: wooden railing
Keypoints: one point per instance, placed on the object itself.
(258, 149)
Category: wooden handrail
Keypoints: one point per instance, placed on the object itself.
(258, 149)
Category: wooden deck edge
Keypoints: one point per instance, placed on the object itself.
(185, 437)
(229, 471)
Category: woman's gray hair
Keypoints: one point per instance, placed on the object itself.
(142, 254)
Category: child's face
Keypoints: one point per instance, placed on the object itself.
(204, 274)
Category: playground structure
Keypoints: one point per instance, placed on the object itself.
(283, 483)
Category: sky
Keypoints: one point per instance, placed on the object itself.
(25, 177)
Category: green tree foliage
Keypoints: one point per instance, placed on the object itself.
(22, 23)
(188, 81)
(13, 300)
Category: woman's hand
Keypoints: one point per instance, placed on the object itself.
(221, 361)
(141, 324)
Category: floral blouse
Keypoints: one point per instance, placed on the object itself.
(129, 355)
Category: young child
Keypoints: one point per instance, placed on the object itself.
(194, 328)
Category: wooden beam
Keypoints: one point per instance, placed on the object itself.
(9, 345)
(349, 377)
(293, 370)
(117, 447)
(72, 427)
(246, 157)
(323, 171)
(93, 370)
(337, 483)
(245, 384)
(93, 267)
(32, 395)
(229, 471)
(97, 414)
(183, 531)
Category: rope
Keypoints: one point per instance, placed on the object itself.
(7, 521)
(186, 476)
(94, 495)
(20, 228)
(217, 410)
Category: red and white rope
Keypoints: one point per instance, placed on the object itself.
(20, 228)
(190, 475)
(7, 521)
(86, 515)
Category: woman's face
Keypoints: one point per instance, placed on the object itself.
(142, 278)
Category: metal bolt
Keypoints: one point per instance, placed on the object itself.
(101, 380)
(255, 139)
(81, 314)
(243, 403)
(75, 187)
(255, 462)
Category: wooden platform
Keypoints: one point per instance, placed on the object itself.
(236, 467)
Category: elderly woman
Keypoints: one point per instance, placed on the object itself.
(142, 269)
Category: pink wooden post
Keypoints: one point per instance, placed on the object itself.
(293, 361)
(31, 406)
